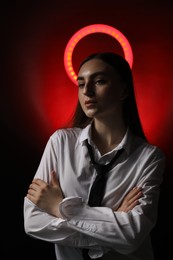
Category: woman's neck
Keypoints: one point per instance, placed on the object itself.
(107, 135)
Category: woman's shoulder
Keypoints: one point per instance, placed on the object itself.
(144, 147)
(64, 133)
(152, 149)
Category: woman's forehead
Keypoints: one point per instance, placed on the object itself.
(95, 66)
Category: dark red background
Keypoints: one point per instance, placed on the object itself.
(37, 97)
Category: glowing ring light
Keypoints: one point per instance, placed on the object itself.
(95, 28)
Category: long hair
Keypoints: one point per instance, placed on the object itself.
(130, 111)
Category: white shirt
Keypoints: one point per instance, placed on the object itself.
(113, 235)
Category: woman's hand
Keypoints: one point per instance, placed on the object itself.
(130, 200)
(46, 196)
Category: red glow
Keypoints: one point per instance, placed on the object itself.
(90, 29)
(49, 96)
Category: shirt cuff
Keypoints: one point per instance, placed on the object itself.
(75, 208)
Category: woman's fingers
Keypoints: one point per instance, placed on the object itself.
(131, 199)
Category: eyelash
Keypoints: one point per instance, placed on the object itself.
(99, 82)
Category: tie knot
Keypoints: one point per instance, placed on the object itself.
(100, 168)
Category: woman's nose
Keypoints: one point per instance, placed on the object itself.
(88, 89)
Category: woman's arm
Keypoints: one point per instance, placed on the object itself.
(125, 229)
(48, 196)
(43, 219)
(74, 223)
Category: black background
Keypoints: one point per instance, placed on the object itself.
(23, 133)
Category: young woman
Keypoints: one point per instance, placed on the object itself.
(58, 207)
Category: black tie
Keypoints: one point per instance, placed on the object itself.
(98, 187)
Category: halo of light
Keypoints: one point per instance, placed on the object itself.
(90, 29)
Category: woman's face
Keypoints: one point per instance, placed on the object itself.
(101, 90)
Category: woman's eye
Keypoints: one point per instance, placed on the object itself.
(81, 85)
(100, 82)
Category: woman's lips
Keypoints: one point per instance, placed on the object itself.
(90, 103)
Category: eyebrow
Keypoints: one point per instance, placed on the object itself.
(101, 73)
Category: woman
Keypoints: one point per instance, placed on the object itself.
(57, 207)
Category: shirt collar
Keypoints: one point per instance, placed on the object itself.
(85, 134)
(125, 143)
